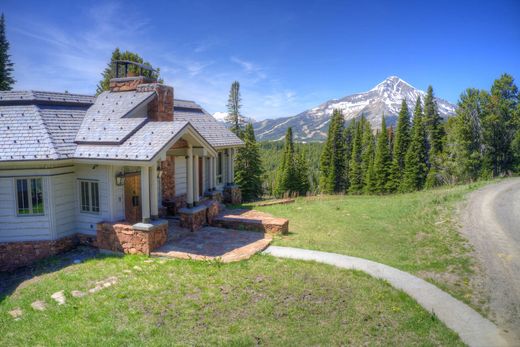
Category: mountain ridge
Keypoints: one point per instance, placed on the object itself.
(385, 98)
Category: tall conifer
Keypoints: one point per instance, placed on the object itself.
(6, 66)
(382, 162)
(287, 180)
(400, 146)
(248, 166)
(415, 168)
(333, 158)
(356, 165)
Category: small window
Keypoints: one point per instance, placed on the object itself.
(89, 195)
(29, 196)
(219, 168)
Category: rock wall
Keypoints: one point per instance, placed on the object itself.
(232, 195)
(122, 237)
(17, 254)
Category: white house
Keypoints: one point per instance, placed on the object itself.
(69, 162)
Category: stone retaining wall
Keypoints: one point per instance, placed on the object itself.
(232, 195)
(126, 238)
(17, 254)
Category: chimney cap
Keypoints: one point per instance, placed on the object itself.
(126, 63)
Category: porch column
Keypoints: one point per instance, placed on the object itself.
(211, 173)
(203, 170)
(189, 178)
(145, 194)
(154, 192)
(230, 166)
(196, 192)
(233, 154)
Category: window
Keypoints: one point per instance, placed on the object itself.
(29, 194)
(89, 194)
(219, 168)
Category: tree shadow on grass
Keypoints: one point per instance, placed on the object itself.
(10, 281)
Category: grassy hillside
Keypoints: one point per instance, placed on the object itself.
(263, 301)
(414, 232)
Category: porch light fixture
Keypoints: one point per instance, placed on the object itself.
(120, 178)
(159, 171)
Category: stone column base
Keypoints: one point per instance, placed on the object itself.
(232, 195)
(193, 218)
(140, 238)
(215, 195)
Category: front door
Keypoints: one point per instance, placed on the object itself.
(133, 212)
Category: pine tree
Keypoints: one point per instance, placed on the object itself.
(415, 168)
(248, 166)
(6, 66)
(109, 71)
(465, 152)
(356, 165)
(432, 123)
(287, 180)
(499, 126)
(367, 158)
(382, 162)
(234, 118)
(400, 147)
(333, 158)
(302, 170)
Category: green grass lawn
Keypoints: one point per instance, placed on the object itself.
(263, 300)
(413, 232)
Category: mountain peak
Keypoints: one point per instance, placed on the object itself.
(392, 83)
(385, 98)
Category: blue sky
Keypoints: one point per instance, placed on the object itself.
(287, 55)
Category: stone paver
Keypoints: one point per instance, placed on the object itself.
(214, 243)
(59, 297)
(78, 293)
(472, 328)
(16, 313)
(39, 305)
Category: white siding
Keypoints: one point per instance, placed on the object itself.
(180, 175)
(64, 198)
(86, 222)
(22, 228)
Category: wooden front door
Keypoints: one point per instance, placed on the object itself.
(133, 212)
(201, 192)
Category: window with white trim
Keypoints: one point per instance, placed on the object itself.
(89, 196)
(29, 196)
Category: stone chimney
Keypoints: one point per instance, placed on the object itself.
(160, 109)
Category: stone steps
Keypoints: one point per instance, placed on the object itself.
(251, 220)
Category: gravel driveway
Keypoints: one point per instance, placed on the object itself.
(491, 221)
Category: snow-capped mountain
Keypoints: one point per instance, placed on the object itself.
(385, 98)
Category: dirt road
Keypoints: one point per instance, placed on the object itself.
(491, 221)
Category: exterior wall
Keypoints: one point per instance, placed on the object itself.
(180, 176)
(64, 204)
(21, 228)
(86, 222)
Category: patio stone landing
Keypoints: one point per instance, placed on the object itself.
(210, 243)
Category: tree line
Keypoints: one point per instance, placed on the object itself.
(482, 140)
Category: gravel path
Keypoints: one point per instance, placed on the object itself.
(472, 328)
(491, 222)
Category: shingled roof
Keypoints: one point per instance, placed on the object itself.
(34, 127)
(213, 131)
(52, 126)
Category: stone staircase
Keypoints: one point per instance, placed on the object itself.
(251, 220)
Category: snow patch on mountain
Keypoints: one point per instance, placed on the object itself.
(385, 98)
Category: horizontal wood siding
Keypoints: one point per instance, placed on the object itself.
(64, 204)
(22, 228)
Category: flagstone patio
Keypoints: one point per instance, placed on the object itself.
(226, 245)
